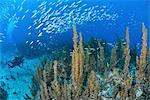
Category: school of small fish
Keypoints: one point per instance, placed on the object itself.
(53, 17)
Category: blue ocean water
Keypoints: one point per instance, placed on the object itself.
(36, 27)
(114, 16)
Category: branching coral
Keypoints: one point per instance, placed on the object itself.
(127, 54)
(93, 86)
(113, 59)
(77, 63)
(51, 82)
(101, 58)
(81, 58)
(126, 74)
(142, 62)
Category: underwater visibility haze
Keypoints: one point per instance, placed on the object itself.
(74, 49)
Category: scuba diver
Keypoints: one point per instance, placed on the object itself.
(17, 61)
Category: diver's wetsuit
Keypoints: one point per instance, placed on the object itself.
(17, 61)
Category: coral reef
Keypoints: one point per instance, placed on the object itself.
(95, 73)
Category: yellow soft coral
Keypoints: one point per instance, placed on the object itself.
(141, 63)
(77, 62)
(127, 53)
(144, 49)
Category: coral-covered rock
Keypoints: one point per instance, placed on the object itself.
(3, 94)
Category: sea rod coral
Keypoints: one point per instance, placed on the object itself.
(87, 65)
